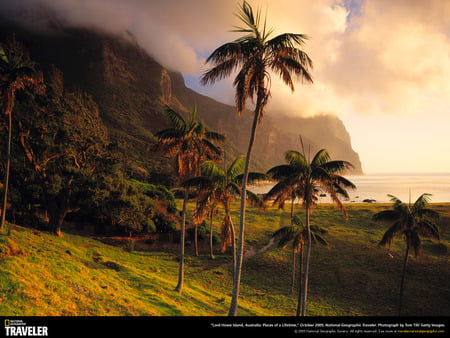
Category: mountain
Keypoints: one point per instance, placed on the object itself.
(132, 89)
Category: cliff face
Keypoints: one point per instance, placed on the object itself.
(132, 89)
(276, 134)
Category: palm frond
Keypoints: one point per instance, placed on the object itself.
(421, 202)
(284, 64)
(254, 177)
(255, 200)
(426, 212)
(212, 169)
(194, 115)
(316, 238)
(281, 171)
(200, 182)
(336, 166)
(211, 150)
(234, 188)
(249, 19)
(175, 119)
(321, 157)
(343, 182)
(395, 201)
(168, 134)
(429, 229)
(296, 159)
(390, 233)
(236, 168)
(287, 40)
(3, 56)
(225, 232)
(221, 71)
(215, 136)
(387, 216)
(284, 231)
(281, 188)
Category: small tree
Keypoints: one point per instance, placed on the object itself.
(222, 186)
(63, 141)
(411, 222)
(190, 142)
(296, 234)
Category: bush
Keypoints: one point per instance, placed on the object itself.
(202, 232)
(216, 239)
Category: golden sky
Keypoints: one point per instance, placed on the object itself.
(382, 66)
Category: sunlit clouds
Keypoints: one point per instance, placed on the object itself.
(382, 59)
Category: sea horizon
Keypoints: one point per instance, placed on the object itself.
(374, 188)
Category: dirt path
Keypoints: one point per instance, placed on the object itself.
(251, 252)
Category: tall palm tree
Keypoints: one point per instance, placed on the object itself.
(411, 222)
(296, 234)
(190, 142)
(217, 185)
(310, 178)
(254, 56)
(16, 73)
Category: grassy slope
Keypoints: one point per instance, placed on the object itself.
(44, 275)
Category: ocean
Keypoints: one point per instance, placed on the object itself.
(375, 187)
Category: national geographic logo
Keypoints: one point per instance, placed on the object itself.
(18, 328)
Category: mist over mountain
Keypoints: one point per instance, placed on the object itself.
(132, 89)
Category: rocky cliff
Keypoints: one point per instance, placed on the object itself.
(132, 89)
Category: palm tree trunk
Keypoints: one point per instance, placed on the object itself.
(240, 249)
(195, 239)
(179, 286)
(211, 253)
(233, 235)
(299, 301)
(8, 164)
(308, 255)
(293, 248)
(293, 270)
(400, 299)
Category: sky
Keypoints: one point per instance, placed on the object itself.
(381, 66)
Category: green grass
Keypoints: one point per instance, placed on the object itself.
(44, 275)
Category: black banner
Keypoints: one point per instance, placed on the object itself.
(286, 326)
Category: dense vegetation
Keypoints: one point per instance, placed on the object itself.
(62, 162)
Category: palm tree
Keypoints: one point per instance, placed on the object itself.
(254, 56)
(309, 179)
(190, 142)
(16, 73)
(217, 185)
(411, 222)
(296, 234)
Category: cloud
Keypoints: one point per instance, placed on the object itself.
(396, 60)
(174, 32)
(370, 57)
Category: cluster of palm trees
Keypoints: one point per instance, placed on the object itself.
(306, 179)
(252, 58)
(200, 175)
